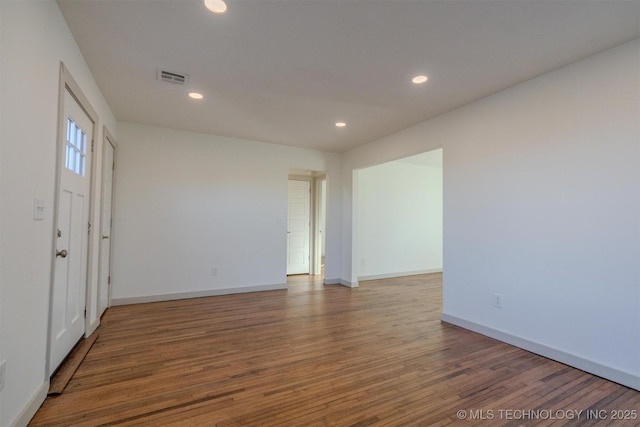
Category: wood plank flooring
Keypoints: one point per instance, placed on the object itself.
(321, 356)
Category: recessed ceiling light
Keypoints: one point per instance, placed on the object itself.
(195, 95)
(216, 6)
(419, 79)
(340, 124)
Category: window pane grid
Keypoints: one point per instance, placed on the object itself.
(76, 151)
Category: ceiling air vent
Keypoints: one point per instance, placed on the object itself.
(175, 78)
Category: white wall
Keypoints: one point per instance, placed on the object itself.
(399, 219)
(35, 38)
(541, 185)
(186, 202)
(1, 183)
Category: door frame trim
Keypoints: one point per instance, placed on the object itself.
(66, 81)
(311, 208)
(314, 178)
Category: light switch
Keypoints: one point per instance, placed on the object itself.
(38, 209)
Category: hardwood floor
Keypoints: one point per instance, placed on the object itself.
(321, 356)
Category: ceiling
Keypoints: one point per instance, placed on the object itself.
(285, 71)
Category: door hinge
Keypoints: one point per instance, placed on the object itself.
(92, 141)
(89, 228)
(85, 313)
(113, 166)
(109, 280)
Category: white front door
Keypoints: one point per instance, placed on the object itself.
(108, 165)
(298, 227)
(70, 270)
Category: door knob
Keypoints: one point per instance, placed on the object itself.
(105, 237)
(63, 253)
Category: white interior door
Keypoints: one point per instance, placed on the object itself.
(70, 269)
(320, 222)
(298, 246)
(323, 217)
(108, 165)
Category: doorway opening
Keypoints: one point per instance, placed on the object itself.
(399, 218)
(71, 254)
(106, 221)
(306, 225)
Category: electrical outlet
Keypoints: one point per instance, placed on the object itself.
(214, 271)
(497, 300)
(3, 365)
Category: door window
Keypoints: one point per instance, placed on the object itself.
(76, 148)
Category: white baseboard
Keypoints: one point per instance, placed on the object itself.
(22, 420)
(621, 377)
(400, 274)
(341, 282)
(196, 294)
